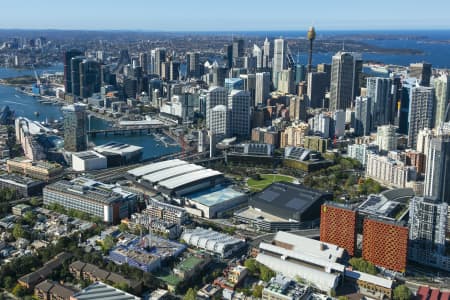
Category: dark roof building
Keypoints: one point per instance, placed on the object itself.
(290, 201)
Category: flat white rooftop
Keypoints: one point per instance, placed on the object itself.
(118, 148)
(171, 172)
(178, 181)
(155, 167)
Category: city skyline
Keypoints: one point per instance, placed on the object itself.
(206, 16)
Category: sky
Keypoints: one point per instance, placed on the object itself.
(225, 15)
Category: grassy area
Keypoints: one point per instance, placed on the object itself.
(267, 179)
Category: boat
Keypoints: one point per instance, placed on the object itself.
(36, 113)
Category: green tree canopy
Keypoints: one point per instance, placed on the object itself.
(191, 294)
(402, 292)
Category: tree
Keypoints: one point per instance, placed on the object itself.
(363, 266)
(257, 291)
(402, 292)
(191, 294)
(18, 231)
(107, 244)
(123, 227)
(29, 217)
(265, 273)
(19, 291)
(252, 265)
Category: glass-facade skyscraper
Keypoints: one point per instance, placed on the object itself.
(75, 138)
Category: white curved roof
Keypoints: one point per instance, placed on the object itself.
(154, 167)
(171, 172)
(191, 177)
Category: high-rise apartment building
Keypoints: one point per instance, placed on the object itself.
(385, 244)
(75, 119)
(218, 121)
(158, 57)
(421, 112)
(193, 64)
(437, 176)
(143, 62)
(338, 226)
(379, 91)
(386, 138)
(75, 67)
(262, 91)
(238, 48)
(239, 103)
(442, 91)
(297, 108)
(267, 54)
(363, 119)
(68, 55)
(90, 78)
(387, 171)
(428, 223)
(286, 81)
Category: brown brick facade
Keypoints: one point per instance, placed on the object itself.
(385, 244)
(338, 227)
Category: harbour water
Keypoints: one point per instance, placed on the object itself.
(29, 107)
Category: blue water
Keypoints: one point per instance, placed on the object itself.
(26, 106)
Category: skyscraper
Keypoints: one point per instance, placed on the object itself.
(386, 138)
(68, 55)
(421, 109)
(442, 89)
(317, 87)
(215, 96)
(238, 48)
(143, 62)
(262, 91)
(286, 81)
(279, 59)
(228, 49)
(422, 72)
(90, 78)
(267, 54)
(437, 176)
(193, 64)
(219, 123)
(75, 66)
(428, 223)
(344, 80)
(257, 52)
(239, 107)
(362, 116)
(158, 58)
(379, 90)
(75, 117)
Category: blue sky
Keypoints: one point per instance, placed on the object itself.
(227, 15)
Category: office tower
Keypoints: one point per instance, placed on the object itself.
(320, 123)
(385, 244)
(158, 58)
(228, 49)
(258, 54)
(379, 91)
(437, 176)
(262, 92)
(68, 55)
(338, 226)
(174, 70)
(362, 116)
(90, 78)
(143, 62)
(317, 88)
(339, 123)
(428, 223)
(75, 117)
(422, 72)
(215, 96)
(424, 138)
(75, 68)
(325, 68)
(386, 138)
(124, 57)
(279, 59)
(297, 108)
(403, 104)
(239, 108)
(345, 70)
(193, 64)
(420, 112)
(442, 90)
(219, 121)
(250, 64)
(300, 73)
(267, 54)
(311, 37)
(219, 75)
(286, 82)
(238, 48)
(250, 85)
(165, 70)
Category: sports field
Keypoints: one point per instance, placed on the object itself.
(266, 180)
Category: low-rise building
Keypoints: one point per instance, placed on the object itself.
(284, 288)
(109, 202)
(41, 170)
(50, 290)
(119, 153)
(212, 241)
(88, 160)
(24, 186)
(21, 209)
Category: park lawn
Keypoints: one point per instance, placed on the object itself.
(266, 180)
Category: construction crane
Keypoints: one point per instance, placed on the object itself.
(38, 81)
